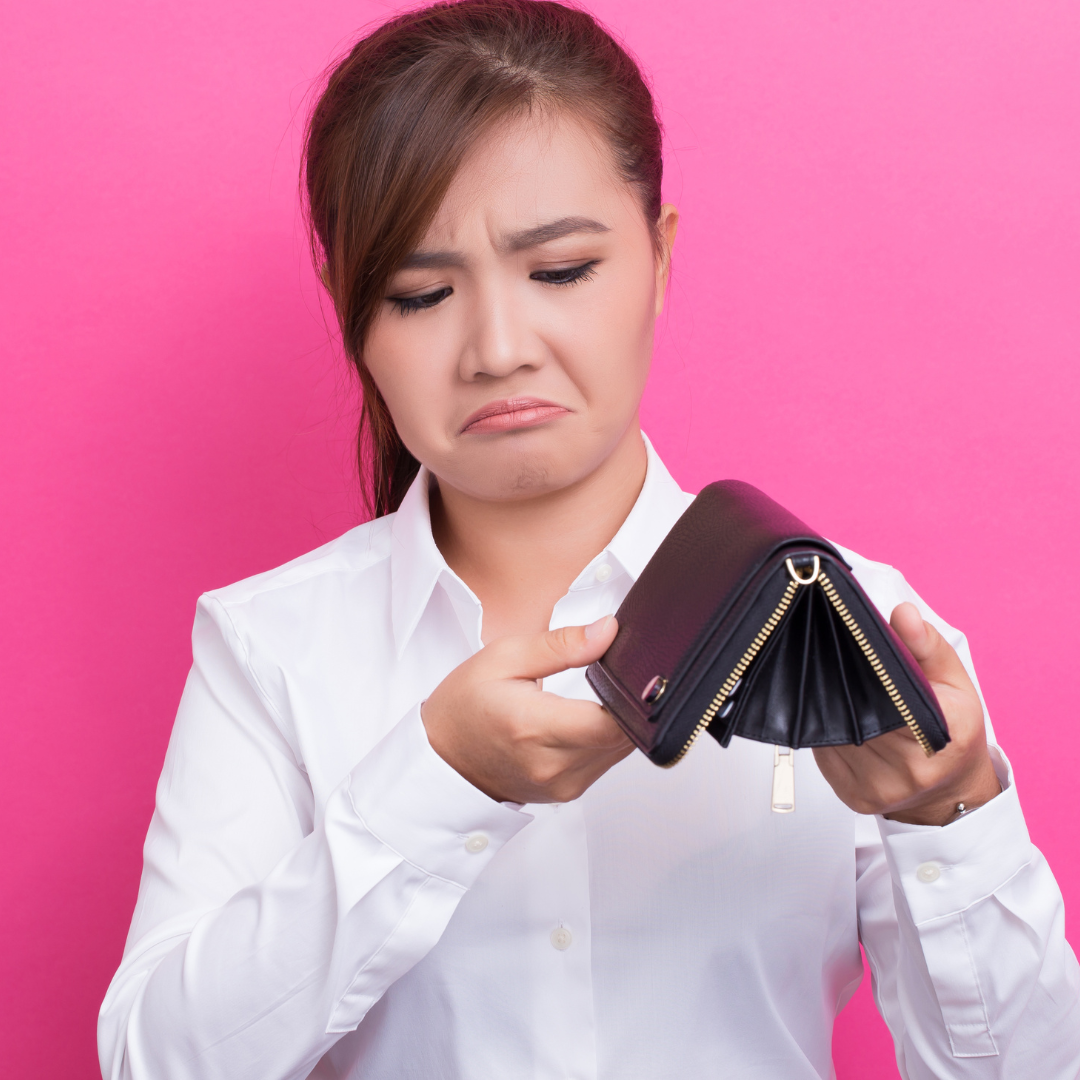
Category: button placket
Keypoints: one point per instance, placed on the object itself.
(559, 909)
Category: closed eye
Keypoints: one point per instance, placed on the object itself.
(570, 275)
(407, 304)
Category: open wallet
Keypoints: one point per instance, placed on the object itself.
(747, 622)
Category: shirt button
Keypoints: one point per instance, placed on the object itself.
(603, 572)
(561, 938)
(476, 843)
(928, 871)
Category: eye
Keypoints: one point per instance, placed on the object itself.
(407, 304)
(569, 275)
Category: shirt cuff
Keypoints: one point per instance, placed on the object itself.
(425, 810)
(945, 869)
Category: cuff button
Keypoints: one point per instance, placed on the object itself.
(561, 938)
(476, 843)
(928, 872)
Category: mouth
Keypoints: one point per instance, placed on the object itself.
(511, 415)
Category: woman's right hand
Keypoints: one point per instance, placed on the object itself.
(492, 722)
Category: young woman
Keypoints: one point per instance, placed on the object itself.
(395, 835)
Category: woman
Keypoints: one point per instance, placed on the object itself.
(381, 847)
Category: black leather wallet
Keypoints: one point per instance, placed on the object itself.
(747, 622)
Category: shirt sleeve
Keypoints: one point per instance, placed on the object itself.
(964, 928)
(265, 929)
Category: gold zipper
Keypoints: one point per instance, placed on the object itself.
(717, 702)
(765, 632)
(875, 663)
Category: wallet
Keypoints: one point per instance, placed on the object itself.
(747, 622)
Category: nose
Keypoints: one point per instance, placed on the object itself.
(500, 339)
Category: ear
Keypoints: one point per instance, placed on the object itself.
(667, 225)
(324, 273)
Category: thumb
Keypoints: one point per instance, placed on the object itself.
(540, 655)
(935, 655)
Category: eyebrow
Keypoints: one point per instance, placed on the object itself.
(433, 260)
(517, 241)
(553, 230)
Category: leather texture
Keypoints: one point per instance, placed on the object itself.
(697, 609)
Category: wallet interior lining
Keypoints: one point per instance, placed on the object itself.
(766, 631)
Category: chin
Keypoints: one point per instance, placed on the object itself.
(525, 468)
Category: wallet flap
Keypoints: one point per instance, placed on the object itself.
(700, 570)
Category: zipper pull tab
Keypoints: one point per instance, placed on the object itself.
(783, 780)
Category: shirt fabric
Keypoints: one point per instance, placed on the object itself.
(323, 895)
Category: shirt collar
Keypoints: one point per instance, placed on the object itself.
(417, 565)
(659, 505)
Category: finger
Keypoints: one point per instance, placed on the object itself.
(539, 655)
(584, 772)
(935, 655)
(572, 724)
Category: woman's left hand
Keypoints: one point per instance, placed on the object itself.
(891, 774)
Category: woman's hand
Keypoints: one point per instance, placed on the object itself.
(493, 723)
(891, 774)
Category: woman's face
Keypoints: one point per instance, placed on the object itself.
(513, 348)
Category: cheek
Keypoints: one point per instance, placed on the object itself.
(410, 364)
(605, 335)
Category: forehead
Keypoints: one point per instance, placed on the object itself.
(534, 169)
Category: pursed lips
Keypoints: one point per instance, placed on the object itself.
(511, 414)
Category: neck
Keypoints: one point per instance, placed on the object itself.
(521, 556)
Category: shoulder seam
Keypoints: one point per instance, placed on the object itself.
(286, 576)
(249, 669)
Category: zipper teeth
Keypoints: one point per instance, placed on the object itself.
(754, 648)
(879, 668)
(763, 635)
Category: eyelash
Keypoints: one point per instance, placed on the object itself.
(571, 275)
(408, 304)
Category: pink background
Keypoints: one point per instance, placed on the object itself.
(874, 317)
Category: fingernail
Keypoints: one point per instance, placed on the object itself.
(597, 628)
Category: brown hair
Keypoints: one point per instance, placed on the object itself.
(390, 130)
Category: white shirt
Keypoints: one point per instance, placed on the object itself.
(323, 895)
